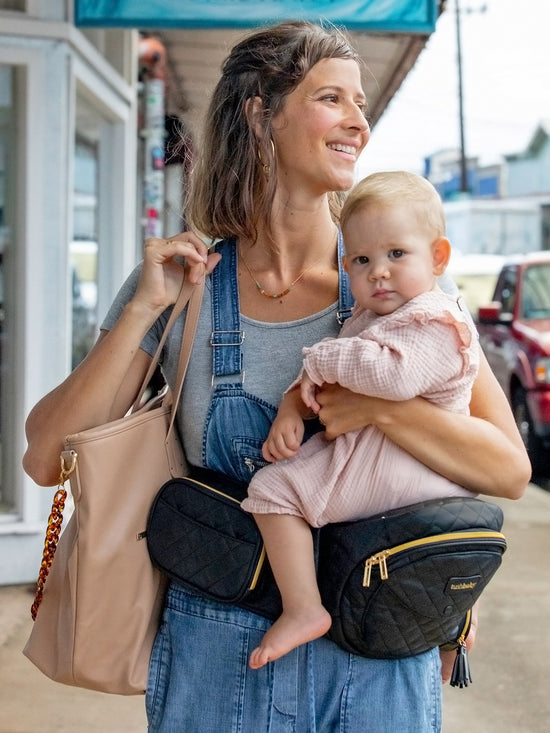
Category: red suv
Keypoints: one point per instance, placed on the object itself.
(515, 335)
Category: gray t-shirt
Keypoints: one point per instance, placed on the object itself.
(272, 356)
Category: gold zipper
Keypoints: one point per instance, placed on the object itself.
(259, 566)
(261, 559)
(216, 491)
(381, 557)
(461, 641)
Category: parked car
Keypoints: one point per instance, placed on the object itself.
(515, 336)
(475, 276)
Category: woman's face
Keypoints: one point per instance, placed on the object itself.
(321, 129)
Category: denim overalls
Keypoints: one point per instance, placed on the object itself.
(199, 680)
(238, 422)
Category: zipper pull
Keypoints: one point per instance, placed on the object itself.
(366, 574)
(380, 560)
(461, 676)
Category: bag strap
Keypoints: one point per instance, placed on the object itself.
(53, 531)
(190, 295)
(191, 321)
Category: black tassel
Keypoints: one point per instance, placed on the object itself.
(461, 676)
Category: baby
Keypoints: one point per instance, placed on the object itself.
(405, 338)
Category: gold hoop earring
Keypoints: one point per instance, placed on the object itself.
(266, 167)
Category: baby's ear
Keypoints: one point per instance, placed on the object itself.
(441, 252)
(345, 263)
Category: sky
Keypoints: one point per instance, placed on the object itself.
(505, 80)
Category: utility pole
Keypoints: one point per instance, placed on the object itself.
(464, 188)
(463, 159)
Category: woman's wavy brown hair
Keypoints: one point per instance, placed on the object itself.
(230, 193)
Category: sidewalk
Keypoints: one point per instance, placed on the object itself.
(509, 665)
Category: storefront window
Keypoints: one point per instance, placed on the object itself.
(83, 250)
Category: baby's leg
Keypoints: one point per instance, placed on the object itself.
(289, 547)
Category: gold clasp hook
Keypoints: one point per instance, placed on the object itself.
(67, 470)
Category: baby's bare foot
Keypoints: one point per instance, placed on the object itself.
(289, 631)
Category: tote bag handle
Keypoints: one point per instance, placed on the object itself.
(190, 295)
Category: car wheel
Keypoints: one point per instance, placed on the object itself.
(535, 448)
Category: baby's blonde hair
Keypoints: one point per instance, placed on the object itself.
(395, 188)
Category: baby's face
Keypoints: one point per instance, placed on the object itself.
(389, 257)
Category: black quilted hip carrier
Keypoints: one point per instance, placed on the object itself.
(396, 584)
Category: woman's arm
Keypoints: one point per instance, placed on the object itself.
(482, 451)
(104, 385)
(100, 389)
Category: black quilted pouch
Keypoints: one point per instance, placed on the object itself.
(396, 584)
(403, 581)
(198, 535)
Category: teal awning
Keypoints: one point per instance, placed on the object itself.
(391, 16)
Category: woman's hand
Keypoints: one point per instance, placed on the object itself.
(162, 271)
(342, 410)
(482, 451)
(448, 657)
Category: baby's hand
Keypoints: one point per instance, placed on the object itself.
(308, 391)
(284, 439)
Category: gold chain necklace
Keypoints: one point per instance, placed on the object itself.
(286, 291)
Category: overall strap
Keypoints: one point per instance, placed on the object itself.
(227, 335)
(345, 297)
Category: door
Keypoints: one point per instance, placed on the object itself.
(8, 189)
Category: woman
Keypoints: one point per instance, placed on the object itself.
(284, 130)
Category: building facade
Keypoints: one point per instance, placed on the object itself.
(506, 210)
(68, 152)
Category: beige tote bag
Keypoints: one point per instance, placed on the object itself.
(97, 615)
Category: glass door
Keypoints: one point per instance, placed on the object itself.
(83, 248)
(92, 222)
(8, 128)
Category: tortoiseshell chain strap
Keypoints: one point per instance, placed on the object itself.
(53, 531)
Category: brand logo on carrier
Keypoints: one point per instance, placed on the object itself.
(467, 583)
